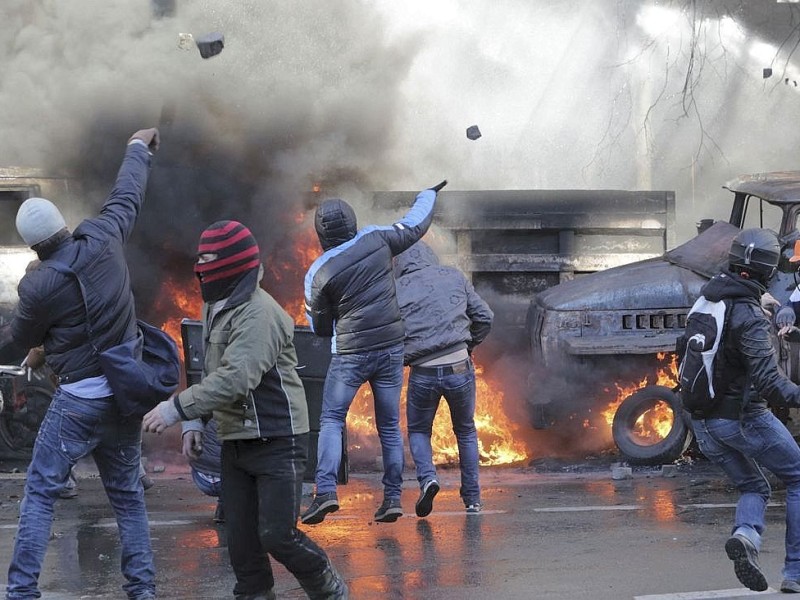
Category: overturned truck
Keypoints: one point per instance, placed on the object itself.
(587, 333)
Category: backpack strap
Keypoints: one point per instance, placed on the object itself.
(67, 270)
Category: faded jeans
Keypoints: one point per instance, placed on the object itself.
(383, 369)
(73, 428)
(741, 449)
(424, 393)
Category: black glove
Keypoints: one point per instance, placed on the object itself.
(785, 317)
(439, 186)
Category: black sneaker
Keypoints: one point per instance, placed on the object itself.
(745, 562)
(320, 506)
(424, 504)
(389, 511)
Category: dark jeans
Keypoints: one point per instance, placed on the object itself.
(262, 483)
(383, 369)
(425, 390)
(73, 428)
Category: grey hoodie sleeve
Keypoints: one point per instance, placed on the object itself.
(480, 316)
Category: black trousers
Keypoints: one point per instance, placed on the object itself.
(262, 484)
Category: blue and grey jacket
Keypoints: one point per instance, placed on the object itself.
(350, 290)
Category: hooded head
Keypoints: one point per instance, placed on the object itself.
(335, 222)
(38, 220)
(227, 253)
(417, 257)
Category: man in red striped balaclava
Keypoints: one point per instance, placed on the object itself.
(251, 387)
(227, 254)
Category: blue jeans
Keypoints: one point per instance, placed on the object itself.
(210, 485)
(73, 428)
(424, 393)
(741, 449)
(383, 369)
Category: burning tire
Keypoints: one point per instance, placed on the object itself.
(649, 427)
(19, 426)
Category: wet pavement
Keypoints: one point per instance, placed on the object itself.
(565, 533)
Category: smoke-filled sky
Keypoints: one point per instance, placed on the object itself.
(361, 96)
(358, 96)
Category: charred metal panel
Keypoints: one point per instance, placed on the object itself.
(515, 243)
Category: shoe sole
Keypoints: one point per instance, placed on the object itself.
(746, 572)
(318, 516)
(390, 516)
(424, 505)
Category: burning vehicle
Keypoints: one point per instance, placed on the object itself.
(621, 324)
(24, 393)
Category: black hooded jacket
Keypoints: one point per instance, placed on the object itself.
(350, 290)
(748, 351)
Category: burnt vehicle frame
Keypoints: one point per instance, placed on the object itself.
(622, 323)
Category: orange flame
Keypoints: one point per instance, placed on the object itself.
(496, 433)
(656, 423)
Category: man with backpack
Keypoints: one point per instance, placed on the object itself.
(735, 428)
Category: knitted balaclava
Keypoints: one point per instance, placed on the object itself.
(236, 253)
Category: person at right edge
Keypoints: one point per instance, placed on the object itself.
(445, 319)
(350, 296)
(740, 434)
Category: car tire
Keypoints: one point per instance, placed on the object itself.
(633, 447)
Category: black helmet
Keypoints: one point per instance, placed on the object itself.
(755, 251)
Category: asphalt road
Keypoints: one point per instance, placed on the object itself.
(570, 532)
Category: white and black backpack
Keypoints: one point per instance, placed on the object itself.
(701, 379)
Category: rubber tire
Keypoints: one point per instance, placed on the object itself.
(665, 451)
(18, 432)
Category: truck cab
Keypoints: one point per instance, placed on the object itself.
(590, 332)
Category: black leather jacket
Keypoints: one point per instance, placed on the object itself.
(748, 352)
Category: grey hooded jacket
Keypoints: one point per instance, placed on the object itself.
(441, 310)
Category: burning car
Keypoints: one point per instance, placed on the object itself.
(622, 324)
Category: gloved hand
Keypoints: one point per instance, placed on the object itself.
(148, 136)
(192, 443)
(785, 317)
(439, 186)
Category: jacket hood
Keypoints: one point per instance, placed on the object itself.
(335, 222)
(730, 285)
(417, 257)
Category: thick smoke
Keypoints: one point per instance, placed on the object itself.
(355, 97)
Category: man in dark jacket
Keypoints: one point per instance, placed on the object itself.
(740, 434)
(83, 418)
(350, 296)
(251, 386)
(445, 319)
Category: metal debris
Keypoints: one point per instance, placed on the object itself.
(210, 44)
(473, 132)
(767, 72)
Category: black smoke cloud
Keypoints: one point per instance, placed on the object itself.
(302, 95)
